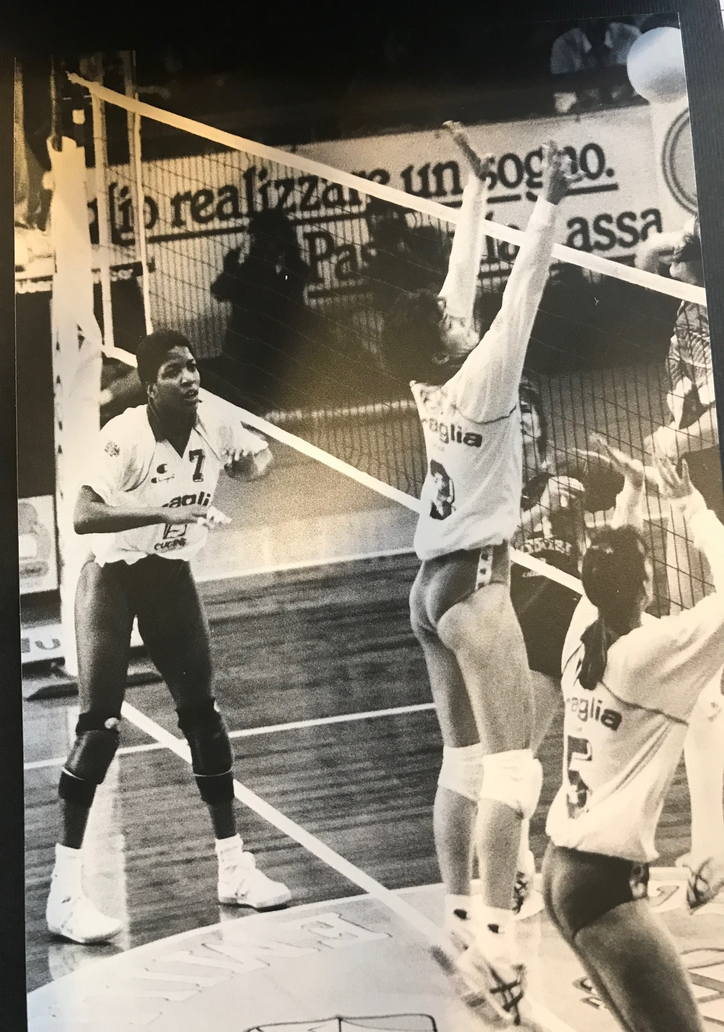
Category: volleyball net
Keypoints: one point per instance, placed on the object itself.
(282, 272)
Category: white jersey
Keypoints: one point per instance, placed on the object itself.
(624, 738)
(471, 424)
(130, 467)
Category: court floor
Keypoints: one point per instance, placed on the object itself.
(336, 758)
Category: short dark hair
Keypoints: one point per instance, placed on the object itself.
(411, 336)
(152, 352)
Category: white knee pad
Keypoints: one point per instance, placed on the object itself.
(462, 770)
(514, 778)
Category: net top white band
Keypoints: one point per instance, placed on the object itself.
(583, 259)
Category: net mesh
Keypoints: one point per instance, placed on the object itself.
(283, 280)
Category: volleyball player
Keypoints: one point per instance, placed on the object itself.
(552, 529)
(692, 432)
(466, 390)
(629, 690)
(146, 500)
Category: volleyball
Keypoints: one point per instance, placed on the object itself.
(655, 66)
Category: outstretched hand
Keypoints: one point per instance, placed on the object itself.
(674, 486)
(558, 174)
(637, 474)
(482, 167)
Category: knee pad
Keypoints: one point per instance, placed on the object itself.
(462, 770)
(211, 759)
(96, 741)
(514, 778)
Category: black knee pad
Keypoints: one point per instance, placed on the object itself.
(211, 759)
(97, 738)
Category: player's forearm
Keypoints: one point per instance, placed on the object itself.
(99, 518)
(461, 283)
(508, 339)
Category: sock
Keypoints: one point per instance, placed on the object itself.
(704, 755)
(524, 848)
(68, 869)
(229, 850)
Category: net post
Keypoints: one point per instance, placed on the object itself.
(135, 154)
(77, 350)
(101, 183)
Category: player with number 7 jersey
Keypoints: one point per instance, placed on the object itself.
(630, 683)
(145, 500)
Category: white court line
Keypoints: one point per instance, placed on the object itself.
(289, 827)
(266, 729)
(324, 853)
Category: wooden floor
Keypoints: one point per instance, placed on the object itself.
(295, 648)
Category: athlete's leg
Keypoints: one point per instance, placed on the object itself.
(630, 952)
(456, 797)
(483, 633)
(554, 882)
(599, 906)
(174, 627)
(104, 620)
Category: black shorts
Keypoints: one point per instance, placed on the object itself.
(161, 594)
(448, 579)
(579, 888)
(544, 609)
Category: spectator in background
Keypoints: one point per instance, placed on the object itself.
(268, 311)
(589, 46)
(404, 258)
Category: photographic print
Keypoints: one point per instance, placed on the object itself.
(370, 533)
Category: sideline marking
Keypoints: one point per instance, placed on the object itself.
(265, 729)
(323, 852)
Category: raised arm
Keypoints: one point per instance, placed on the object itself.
(461, 283)
(491, 374)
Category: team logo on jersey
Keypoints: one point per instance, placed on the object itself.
(113, 449)
(450, 432)
(203, 498)
(162, 474)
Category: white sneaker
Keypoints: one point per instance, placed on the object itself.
(74, 917)
(488, 982)
(241, 884)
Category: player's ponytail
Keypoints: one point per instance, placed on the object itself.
(613, 576)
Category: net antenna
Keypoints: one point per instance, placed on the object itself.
(329, 398)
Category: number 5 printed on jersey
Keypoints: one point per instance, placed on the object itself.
(578, 753)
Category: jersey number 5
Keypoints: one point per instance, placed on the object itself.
(197, 456)
(578, 752)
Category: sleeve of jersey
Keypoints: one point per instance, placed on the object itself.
(109, 466)
(247, 440)
(486, 387)
(461, 283)
(676, 657)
